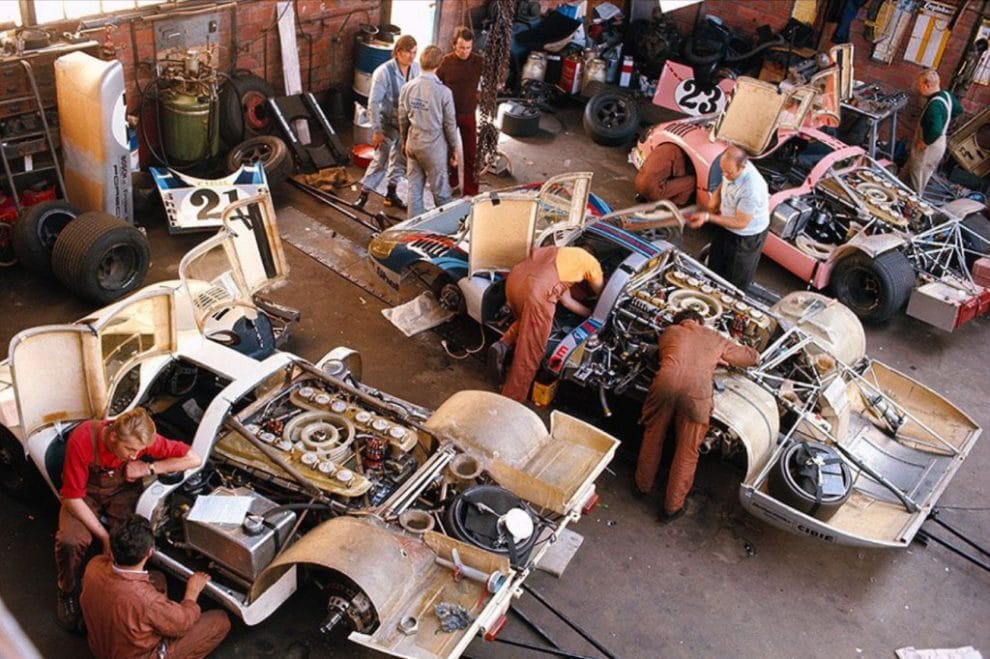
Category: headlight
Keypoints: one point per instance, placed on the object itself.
(381, 246)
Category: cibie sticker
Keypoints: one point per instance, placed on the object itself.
(695, 100)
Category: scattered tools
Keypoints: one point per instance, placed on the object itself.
(346, 208)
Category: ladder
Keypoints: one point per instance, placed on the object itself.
(30, 143)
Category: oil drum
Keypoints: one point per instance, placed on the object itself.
(368, 57)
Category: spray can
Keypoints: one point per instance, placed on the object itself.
(625, 75)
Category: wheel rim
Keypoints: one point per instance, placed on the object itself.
(119, 268)
(864, 289)
(613, 113)
(51, 225)
(255, 153)
(253, 107)
(451, 297)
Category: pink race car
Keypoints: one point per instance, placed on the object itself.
(839, 218)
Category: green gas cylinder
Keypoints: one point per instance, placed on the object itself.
(190, 127)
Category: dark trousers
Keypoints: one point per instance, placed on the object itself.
(735, 257)
(467, 125)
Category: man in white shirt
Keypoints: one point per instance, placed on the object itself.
(740, 209)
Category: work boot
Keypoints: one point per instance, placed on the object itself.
(362, 199)
(496, 361)
(68, 615)
(667, 518)
(392, 199)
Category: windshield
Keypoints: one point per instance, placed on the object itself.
(137, 329)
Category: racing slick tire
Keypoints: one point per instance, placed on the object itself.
(37, 230)
(611, 118)
(796, 481)
(242, 108)
(518, 120)
(101, 257)
(979, 244)
(270, 151)
(873, 288)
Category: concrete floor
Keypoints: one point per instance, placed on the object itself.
(715, 584)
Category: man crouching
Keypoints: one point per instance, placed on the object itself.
(127, 612)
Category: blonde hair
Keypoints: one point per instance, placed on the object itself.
(135, 424)
(430, 58)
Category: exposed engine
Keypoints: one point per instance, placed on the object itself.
(623, 356)
(307, 448)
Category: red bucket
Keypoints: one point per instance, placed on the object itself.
(362, 155)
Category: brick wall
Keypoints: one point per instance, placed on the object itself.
(325, 50)
(746, 16)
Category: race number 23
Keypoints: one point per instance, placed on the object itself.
(210, 203)
(696, 100)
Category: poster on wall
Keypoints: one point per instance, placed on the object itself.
(930, 34)
(670, 5)
(982, 75)
(889, 28)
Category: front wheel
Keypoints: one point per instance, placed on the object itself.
(873, 288)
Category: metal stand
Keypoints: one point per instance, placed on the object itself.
(554, 649)
(877, 109)
(926, 536)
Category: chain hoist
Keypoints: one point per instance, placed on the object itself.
(494, 74)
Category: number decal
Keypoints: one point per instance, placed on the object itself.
(208, 201)
(695, 100)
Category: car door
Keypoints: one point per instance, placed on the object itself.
(66, 373)
(562, 207)
(243, 258)
(750, 118)
(501, 231)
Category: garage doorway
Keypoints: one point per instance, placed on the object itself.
(415, 17)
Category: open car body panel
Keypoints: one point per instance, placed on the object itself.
(92, 355)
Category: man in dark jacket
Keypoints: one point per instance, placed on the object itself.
(681, 392)
(461, 71)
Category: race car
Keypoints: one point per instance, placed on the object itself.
(832, 444)
(840, 220)
(419, 525)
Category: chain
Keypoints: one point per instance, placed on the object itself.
(494, 74)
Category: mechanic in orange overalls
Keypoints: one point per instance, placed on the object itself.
(664, 175)
(532, 290)
(102, 477)
(681, 392)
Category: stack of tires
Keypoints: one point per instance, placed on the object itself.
(95, 255)
(246, 126)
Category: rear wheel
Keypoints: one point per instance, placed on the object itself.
(101, 257)
(874, 288)
(36, 232)
(975, 237)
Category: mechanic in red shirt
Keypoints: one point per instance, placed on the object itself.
(127, 611)
(461, 71)
(102, 478)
